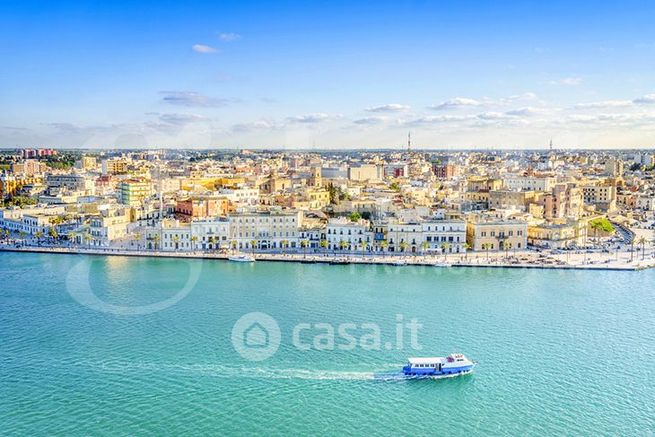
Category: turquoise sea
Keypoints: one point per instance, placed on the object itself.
(558, 352)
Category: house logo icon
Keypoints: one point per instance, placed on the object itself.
(256, 336)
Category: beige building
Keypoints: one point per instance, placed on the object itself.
(364, 172)
(556, 235)
(496, 234)
(506, 199)
(530, 183)
(603, 197)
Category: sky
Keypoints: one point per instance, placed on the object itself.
(327, 74)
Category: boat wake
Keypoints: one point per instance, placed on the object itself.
(221, 371)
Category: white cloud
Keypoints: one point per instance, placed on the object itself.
(647, 99)
(527, 111)
(312, 118)
(254, 126)
(604, 104)
(370, 120)
(193, 99)
(457, 102)
(391, 107)
(568, 81)
(201, 48)
(433, 119)
(518, 97)
(229, 36)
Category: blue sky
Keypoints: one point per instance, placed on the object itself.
(327, 74)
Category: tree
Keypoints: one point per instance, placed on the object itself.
(253, 245)
(176, 240)
(284, 244)
(194, 240)
(304, 244)
(156, 239)
(466, 247)
(507, 246)
(601, 224)
(425, 246)
(38, 235)
(354, 216)
(403, 246)
(323, 244)
(642, 242)
(343, 244)
(486, 247)
(87, 238)
(234, 244)
(444, 250)
(384, 244)
(362, 245)
(52, 232)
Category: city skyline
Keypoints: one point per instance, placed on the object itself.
(233, 75)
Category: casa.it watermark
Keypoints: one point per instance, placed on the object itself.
(257, 336)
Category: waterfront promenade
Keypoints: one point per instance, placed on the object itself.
(519, 259)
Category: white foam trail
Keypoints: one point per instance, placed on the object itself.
(221, 371)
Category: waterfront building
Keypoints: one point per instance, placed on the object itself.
(493, 234)
(344, 234)
(266, 229)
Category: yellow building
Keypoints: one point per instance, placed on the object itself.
(10, 184)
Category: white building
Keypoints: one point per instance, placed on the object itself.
(529, 183)
(344, 234)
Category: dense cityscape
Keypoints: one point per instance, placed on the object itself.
(550, 207)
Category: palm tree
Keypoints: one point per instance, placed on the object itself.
(253, 245)
(486, 246)
(642, 242)
(507, 246)
(71, 236)
(466, 247)
(323, 244)
(53, 233)
(176, 240)
(403, 246)
(38, 235)
(87, 238)
(384, 244)
(234, 244)
(194, 240)
(362, 245)
(156, 239)
(343, 244)
(284, 244)
(304, 244)
(444, 249)
(425, 246)
(596, 225)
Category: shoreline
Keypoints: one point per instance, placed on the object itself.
(330, 259)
